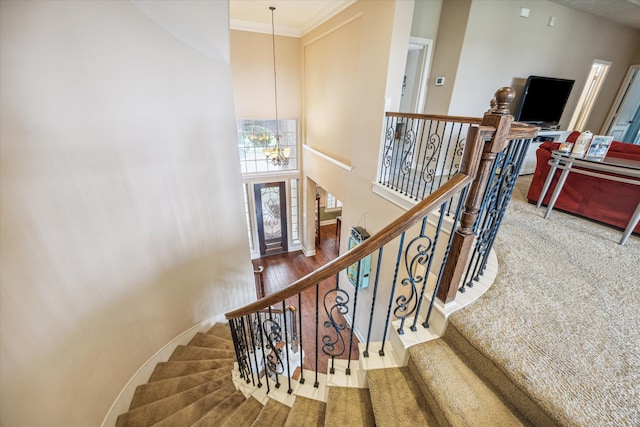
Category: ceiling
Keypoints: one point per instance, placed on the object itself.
(295, 18)
(292, 18)
(625, 12)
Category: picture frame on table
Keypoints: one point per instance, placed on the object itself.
(598, 147)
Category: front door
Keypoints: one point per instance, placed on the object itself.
(271, 213)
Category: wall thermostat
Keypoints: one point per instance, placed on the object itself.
(439, 81)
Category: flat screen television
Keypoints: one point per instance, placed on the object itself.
(543, 101)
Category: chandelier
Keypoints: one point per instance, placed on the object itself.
(277, 155)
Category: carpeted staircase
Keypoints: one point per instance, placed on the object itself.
(438, 388)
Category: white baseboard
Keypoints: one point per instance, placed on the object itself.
(122, 402)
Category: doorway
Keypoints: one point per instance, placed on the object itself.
(623, 121)
(414, 85)
(271, 215)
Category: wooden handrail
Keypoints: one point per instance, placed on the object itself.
(436, 117)
(375, 242)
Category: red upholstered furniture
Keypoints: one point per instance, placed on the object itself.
(599, 199)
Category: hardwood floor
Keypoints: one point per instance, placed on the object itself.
(282, 270)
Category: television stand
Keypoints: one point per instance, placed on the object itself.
(529, 162)
(549, 126)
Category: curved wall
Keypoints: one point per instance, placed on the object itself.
(119, 224)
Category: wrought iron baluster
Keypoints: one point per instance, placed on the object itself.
(443, 209)
(316, 383)
(243, 366)
(373, 302)
(234, 337)
(456, 157)
(499, 189)
(246, 328)
(264, 353)
(397, 154)
(516, 152)
(353, 316)
(335, 310)
(253, 346)
(301, 381)
(393, 290)
(415, 181)
(286, 347)
(444, 154)
(425, 144)
(387, 158)
(406, 306)
(273, 334)
(429, 168)
(408, 153)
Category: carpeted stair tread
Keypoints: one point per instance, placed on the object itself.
(200, 353)
(220, 330)
(492, 374)
(221, 411)
(154, 412)
(164, 370)
(196, 410)
(349, 407)
(306, 412)
(273, 414)
(245, 414)
(457, 395)
(397, 400)
(150, 392)
(211, 341)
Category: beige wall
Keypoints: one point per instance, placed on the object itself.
(252, 75)
(368, 81)
(500, 49)
(119, 198)
(331, 67)
(446, 54)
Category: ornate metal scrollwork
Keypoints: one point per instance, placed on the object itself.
(333, 343)
(409, 141)
(458, 152)
(240, 341)
(494, 205)
(273, 344)
(416, 258)
(388, 147)
(428, 173)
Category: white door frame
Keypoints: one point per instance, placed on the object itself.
(632, 73)
(423, 69)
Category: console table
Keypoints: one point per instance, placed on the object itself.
(626, 171)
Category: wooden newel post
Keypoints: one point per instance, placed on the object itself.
(483, 145)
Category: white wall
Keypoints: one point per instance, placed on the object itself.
(426, 18)
(119, 223)
(501, 48)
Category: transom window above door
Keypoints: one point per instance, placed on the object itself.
(254, 136)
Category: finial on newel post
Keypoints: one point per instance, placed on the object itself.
(502, 99)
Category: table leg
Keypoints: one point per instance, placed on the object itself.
(556, 191)
(632, 224)
(547, 182)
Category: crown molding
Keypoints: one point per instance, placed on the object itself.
(330, 10)
(257, 27)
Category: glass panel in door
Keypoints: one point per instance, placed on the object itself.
(271, 213)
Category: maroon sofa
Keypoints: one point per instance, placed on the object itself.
(595, 198)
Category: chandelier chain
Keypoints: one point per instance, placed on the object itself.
(278, 156)
(275, 75)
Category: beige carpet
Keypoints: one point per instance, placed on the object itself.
(563, 316)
